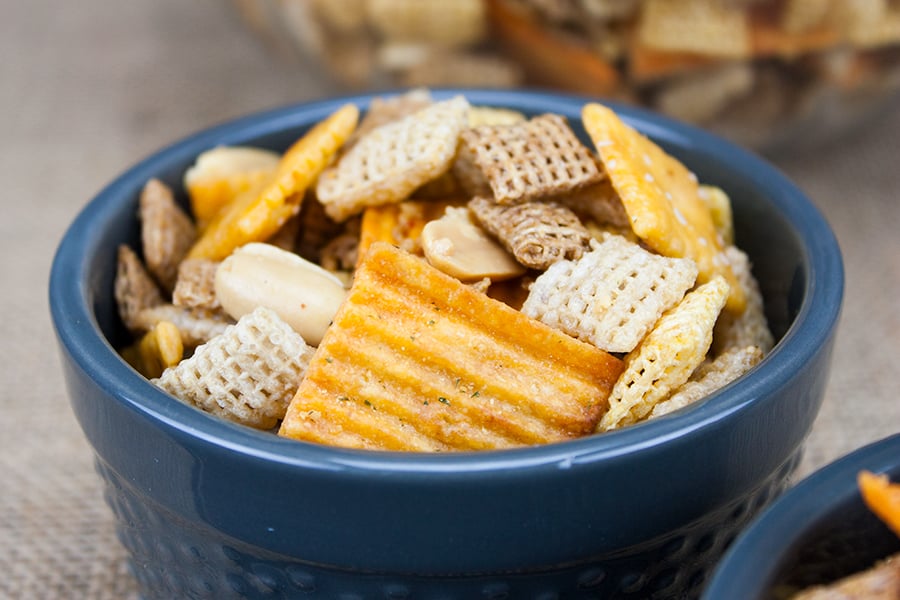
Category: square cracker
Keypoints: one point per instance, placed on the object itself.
(416, 360)
(661, 197)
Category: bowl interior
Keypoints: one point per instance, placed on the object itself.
(818, 532)
(794, 254)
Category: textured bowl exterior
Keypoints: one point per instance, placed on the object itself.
(210, 509)
(816, 533)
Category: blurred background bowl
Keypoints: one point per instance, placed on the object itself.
(773, 75)
(818, 532)
(207, 508)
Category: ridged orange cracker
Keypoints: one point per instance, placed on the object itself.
(416, 360)
(665, 359)
(257, 214)
(661, 197)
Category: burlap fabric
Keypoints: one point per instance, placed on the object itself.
(87, 88)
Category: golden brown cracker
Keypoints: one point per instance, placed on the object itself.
(417, 360)
(661, 198)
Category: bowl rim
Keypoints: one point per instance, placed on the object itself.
(79, 334)
(799, 510)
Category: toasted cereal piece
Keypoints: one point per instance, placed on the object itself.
(709, 377)
(255, 216)
(699, 97)
(612, 296)
(542, 51)
(881, 497)
(387, 109)
(196, 325)
(417, 360)
(247, 374)
(341, 253)
(134, 288)
(665, 359)
(459, 247)
(598, 203)
(222, 173)
(400, 224)
(315, 230)
(457, 23)
(538, 234)
(195, 286)
(661, 197)
(535, 159)
(166, 232)
(156, 351)
(698, 26)
(719, 205)
(750, 328)
(390, 162)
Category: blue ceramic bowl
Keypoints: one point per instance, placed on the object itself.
(816, 533)
(211, 509)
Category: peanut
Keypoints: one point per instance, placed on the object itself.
(302, 293)
(458, 247)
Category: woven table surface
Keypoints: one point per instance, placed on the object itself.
(88, 88)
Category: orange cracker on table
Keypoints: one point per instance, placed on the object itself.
(257, 214)
(661, 197)
(416, 360)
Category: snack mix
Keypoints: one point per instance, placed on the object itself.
(435, 276)
(761, 72)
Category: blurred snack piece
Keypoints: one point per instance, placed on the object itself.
(765, 73)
